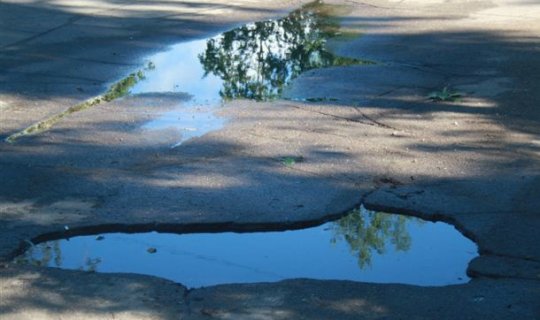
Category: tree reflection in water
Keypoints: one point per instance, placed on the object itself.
(367, 232)
(49, 254)
(257, 60)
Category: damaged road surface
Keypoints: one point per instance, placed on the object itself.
(420, 108)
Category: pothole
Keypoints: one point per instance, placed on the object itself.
(363, 246)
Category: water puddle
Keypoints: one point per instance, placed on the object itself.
(363, 246)
(255, 61)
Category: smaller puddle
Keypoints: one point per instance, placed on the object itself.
(363, 246)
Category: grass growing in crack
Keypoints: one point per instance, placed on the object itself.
(290, 161)
(321, 99)
(3, 105)
(121, 88)
(117, 90)
(339, 61)
(445, 95)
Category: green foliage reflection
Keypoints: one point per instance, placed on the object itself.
(257, 60)
(367, 232)
(43, 254)
(49, 254)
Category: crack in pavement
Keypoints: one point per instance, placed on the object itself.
(370, 122)
(70, 21)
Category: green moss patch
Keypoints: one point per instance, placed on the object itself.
(117, 90)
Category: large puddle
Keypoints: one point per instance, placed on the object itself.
(255, 61)
(363, 246)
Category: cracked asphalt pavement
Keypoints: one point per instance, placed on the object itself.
(375, 139)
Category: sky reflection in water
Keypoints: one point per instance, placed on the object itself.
(179, 70)
(363, 246)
